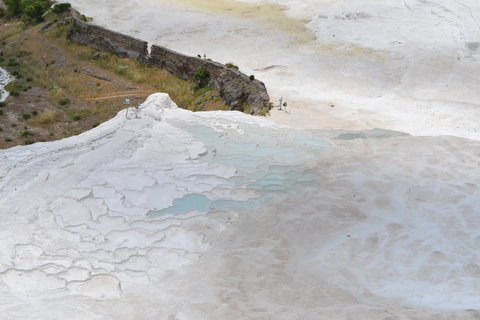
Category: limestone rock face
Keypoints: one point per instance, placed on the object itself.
(237, 90)
(103, 39)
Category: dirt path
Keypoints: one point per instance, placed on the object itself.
(136, 93)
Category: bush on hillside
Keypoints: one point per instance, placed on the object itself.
(34, 12)
(14, 8)
(61, 7)
(202, 78)
(231, 66)
(31, 11)
(64, 101)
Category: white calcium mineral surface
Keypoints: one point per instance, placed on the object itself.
(169, 214)
(5, 78)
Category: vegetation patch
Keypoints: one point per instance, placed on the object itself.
(30, 11)
(48, 117)
(26, 133)
(75, 88)
(231, 66)
(202, 78)
(247, 108)
(79, 114)
(61, 7)
(64, 101)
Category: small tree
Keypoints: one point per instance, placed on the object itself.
(61, 7)
(35, 11)
(14, 7)
(202, 78)
(29, 10)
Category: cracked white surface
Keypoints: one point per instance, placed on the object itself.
(5, 78)
(215, 215)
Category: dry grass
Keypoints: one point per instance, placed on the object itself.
(48, 116)
(10, 29)
(50, 69)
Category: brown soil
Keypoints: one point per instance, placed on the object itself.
(65, 89)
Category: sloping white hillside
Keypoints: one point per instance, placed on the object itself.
(170, 214)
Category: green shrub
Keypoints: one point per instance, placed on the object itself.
(2, 12)
(29, 10)
(14, 86)
(3, 104)
(34, 11)
(61, 7)
(34, 113)
(14, 7)
(252, 77)
(26, 116)
(202, 91)
(201, 77)
(266, 109)
(78, 114)
(26, 133)
(247, 108)
(1, 112)
(13, 63)
(231, 66)
(64, 101)
(7, 140)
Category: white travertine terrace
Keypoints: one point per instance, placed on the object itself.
(5, 78)
(220, 215)
(186, 216)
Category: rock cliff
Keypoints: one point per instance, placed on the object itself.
(239, 91)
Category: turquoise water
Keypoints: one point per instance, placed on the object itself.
(265, 166)
(269, 166)
(189, 202)
(368, 134)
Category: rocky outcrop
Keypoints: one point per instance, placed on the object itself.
(237, 90)
(100, 38)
